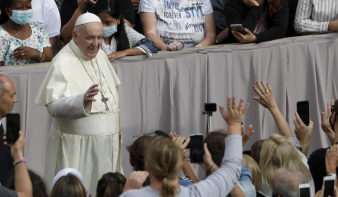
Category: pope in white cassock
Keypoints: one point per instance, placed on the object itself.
(80, 93)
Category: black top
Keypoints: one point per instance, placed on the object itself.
(236, 12)
(317, 167)
(6, 160)
(69, 6)
(292, 13)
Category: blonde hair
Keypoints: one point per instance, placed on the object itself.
(278, 152)
(68, 185)
(255, 171)
(164, 161)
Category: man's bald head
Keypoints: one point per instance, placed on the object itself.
(286, 182)
(7, 95)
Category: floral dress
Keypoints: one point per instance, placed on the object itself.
(38, 40)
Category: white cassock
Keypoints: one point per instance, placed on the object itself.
(85, 139)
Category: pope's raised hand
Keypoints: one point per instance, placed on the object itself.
(89, 95)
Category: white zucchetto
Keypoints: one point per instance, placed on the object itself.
(87, 18)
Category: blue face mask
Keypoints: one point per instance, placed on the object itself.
(109, 31)
(21, 17)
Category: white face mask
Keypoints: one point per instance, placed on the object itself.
(109, 31)
(21, 17)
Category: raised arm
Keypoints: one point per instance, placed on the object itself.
(23, 184)
(267, 100)
(303, 133)
(77, 106)
(223, 180)
(210, 32)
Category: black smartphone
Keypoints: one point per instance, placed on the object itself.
(210, 107)
(12, 127)
(329, 183)
(304, 190)
(196, 148)
(303, 111)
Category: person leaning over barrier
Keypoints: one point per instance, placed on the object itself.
(164, 161)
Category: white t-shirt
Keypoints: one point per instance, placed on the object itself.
(47, 12)
(179, 20)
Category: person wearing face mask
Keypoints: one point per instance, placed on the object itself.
(22, 42)
(119, 39)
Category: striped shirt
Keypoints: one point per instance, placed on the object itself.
(313, 16)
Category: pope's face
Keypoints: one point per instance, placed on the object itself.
(89, 39)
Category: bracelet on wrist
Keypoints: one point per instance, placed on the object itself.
(15, 163)
(211, 167)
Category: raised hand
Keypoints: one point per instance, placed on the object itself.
(83, 3)
(89, 95)
(135, 180)
(235, 113)
(208, 164)
(325, 122)
(247, 135)
(181, 141)
(265, 95)
(17, 147)
(331, 159)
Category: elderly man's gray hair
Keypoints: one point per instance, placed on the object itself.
(77, 29)
(287, 182)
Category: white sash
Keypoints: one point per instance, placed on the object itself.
(95, 124)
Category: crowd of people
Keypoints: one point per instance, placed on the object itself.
(33, 31)
(276, 166)
(84, 143)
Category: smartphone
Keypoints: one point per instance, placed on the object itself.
(238, 27)
(12, 127)
(196, 148)
(303, 111)
(304, 190)
(329, 183)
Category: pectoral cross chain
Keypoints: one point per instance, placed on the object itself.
(104, 100)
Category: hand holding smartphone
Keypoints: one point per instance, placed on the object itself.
(304, 111)
(329, 183)
(12, 127)
(196, 148)
(238, 27)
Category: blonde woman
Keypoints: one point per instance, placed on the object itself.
(284, 150)
(164, 161)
